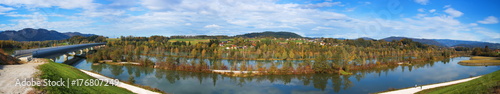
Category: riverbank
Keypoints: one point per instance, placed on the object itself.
(55, 71)
(412, 90)
(481, 61)
(487, 84)
(132, 88)
(9, 74)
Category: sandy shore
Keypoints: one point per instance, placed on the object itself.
(132, 88)
(10, 73)
(412, 90)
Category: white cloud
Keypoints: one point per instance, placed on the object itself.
(473, 24)
(160, 4)
(38, 20)
(5, 9)
(350, 9)
(367, 3)
(489, 20)
(321, 28)
(213, 26)
(421, 10)
(231, 17)
(490, 34)
(447, 6)
(452, 12)
(432, 10)
(324, 4)
(65, 4)
(423, 2)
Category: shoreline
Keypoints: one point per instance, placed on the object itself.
(412, 90)
(124, 85)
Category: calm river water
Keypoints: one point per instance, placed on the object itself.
(180, 82)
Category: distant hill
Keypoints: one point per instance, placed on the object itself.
(271, 34)
(367, 38)
(471, 44)
(71, 34)
(423, 41)
(30, 34)
(450, 43)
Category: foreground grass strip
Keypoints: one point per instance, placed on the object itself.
(54, 71)
(489, 83)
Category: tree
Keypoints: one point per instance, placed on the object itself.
(193, 53)
(477, 51)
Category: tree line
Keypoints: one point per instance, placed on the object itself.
(324, 55)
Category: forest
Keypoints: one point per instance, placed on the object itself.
(320, 55)
(316, 55)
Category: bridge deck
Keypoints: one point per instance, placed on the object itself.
(49, 51)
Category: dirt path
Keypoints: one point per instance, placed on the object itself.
(412, 90)
(10, 73)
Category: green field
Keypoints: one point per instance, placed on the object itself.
(54, 71)
(487, 84)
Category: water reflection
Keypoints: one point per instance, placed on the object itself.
(366, 81)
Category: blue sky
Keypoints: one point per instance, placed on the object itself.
(436, 19)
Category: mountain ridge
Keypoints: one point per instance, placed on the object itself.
(423, 41)
(449, 42)
(30, 34)
(281, 34)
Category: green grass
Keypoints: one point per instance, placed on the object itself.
(54, 71)
(345, 73)
(486, 84)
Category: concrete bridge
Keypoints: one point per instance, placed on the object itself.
(51, 52)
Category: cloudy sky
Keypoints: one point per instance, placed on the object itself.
(437, 19)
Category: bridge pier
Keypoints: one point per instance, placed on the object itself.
(65, 57)
(72, 53)
(26, 58)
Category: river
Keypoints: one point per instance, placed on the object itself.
(181, 82)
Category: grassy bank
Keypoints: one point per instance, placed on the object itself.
(483, 58)
(487, 84)
(481, 61)
(54, 71)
